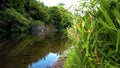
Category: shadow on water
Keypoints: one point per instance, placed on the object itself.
(30, 51)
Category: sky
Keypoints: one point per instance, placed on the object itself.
(71, 5)
(67, 3)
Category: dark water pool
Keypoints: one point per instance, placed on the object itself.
(30, 51)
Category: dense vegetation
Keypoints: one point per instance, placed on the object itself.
(21, 15)
(96, 36)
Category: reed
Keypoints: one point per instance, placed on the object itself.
(96, 36)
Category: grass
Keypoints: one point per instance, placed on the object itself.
(96, 36)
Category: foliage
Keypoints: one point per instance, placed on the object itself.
(55, 16)
(13, 19)
(37, 10)
(96, 36)
(30, 12)
(59, 17)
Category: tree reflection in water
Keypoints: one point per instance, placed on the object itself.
(28, 51)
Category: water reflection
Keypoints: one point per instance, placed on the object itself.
(44, 63)
(27, 51)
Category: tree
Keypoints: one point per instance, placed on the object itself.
(61, 4)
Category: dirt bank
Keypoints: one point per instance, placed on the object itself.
(59, 63)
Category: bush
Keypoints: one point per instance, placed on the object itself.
(59, 17)
(12, 18)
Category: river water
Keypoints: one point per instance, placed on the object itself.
(38, 50)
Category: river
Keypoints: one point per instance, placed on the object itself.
(36, 50)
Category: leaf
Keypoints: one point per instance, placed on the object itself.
(105, 25)
(118, 21)
(108, 19)
(118, 40)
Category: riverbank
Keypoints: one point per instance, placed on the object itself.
(59, 63)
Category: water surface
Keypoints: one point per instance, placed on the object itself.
(30, 51)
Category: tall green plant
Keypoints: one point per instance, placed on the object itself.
(97, 37)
